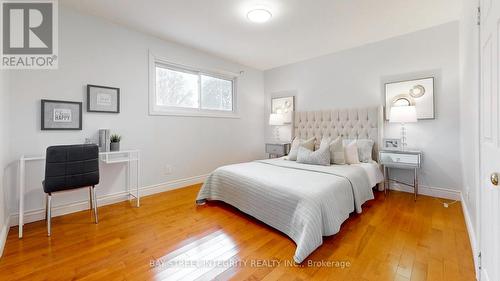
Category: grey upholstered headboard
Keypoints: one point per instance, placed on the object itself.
(353, 123)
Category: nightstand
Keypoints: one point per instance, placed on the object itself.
(277, 149)
(401, 159)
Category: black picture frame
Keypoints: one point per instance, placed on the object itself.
(117, 92)
(43, 117)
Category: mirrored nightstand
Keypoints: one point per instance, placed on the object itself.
(401, 159)
(277, 149)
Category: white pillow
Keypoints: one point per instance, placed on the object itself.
(324, 141)
(351, 153)
(318, 157)
(309, 144)
(296, 143)
(337, 155)
(365, 148)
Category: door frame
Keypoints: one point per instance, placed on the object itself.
(476, 251)
(478, 147)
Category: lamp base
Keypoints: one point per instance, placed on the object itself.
(403, 137)
(276, 133)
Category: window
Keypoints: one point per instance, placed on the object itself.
(216, 93)
(176, 88)
(184, 91)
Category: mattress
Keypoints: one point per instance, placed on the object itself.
(306, 202)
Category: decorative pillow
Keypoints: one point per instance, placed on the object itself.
(351, 153)
(336, 146)
(365, 148)
(309, 144)
(324, 141)
(318, 157)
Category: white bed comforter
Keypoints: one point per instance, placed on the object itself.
(306, 202)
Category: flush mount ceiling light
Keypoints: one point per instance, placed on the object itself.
(259, 15)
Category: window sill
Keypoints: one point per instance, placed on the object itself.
(207, 114)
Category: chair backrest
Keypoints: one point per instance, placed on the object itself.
(71, 166)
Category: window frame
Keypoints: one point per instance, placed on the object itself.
(155, 109)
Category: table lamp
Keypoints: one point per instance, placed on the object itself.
(276, 119)
(403, 115)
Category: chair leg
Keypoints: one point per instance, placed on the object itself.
(94, 198)
(46, 204)
(49, 212)
(90, 197)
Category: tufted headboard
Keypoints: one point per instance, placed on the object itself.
(354, 123)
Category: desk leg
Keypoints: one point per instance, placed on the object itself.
(415, 183)
(21, 195)
(129, 186)
(138, 178)
(385, 180)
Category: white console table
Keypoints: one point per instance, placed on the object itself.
(110, 157)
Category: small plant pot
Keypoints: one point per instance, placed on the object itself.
(115, 146)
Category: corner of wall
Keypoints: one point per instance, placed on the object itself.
(4, 231)
(469, 121)
(472, 234)
(4, 157)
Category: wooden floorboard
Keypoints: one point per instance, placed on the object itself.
(170, 238)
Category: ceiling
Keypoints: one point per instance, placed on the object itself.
(299, 29)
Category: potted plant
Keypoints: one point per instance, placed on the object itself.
(115, 142)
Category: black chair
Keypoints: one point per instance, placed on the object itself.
(71, 167)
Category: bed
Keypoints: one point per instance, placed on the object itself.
(305, 202)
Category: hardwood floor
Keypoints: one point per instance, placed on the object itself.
(394, 239)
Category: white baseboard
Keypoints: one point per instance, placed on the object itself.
(472, 235)
(429, 191)
(3, 234)
(39, 214)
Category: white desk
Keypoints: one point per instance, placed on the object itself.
(111, 157)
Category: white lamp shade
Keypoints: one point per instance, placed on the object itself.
(276, 119)
(403, 114)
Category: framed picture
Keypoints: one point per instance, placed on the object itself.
(61, 115)
(284, 106)
(393, 144)
(103, 99)
(418, 93)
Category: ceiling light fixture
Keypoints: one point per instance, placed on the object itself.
(259, 15)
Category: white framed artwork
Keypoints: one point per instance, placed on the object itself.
(418, 93)
(284, 106)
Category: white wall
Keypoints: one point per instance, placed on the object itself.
(4, 147)
(93, 51)
(469, 115)
(469, 103)
(355, 77)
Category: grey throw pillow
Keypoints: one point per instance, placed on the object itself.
(365, 148)
(318, 157)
